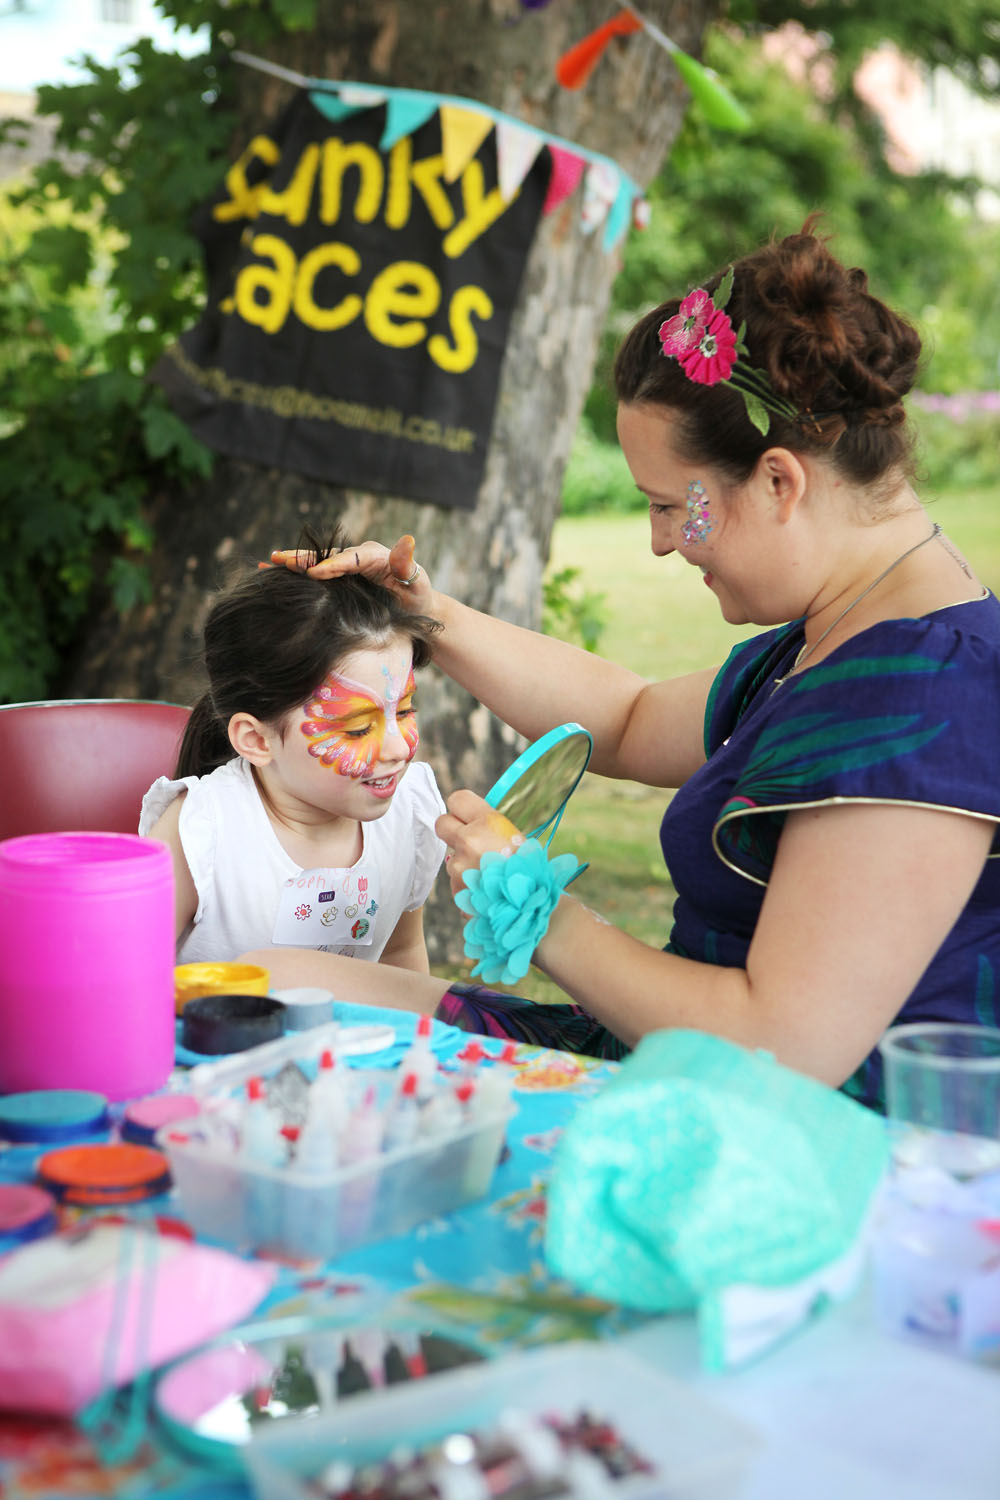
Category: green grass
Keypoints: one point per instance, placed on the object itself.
(662, 621)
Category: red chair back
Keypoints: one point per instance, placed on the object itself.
(83, 763)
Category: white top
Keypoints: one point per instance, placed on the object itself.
(242, 874)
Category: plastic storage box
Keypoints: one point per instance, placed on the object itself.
(279, 1210)
(698, 1450)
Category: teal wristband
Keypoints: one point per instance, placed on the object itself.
(510, 899)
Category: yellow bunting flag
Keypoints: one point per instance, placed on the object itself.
(462, 133)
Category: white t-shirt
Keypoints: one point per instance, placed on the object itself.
(249, 888)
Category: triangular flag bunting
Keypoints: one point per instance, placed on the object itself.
(600, 189)
(567, 169)
(517, 147)
(329, 104)
(620, 214)
(575, 66)
(462, 133)
(361, 96)
(405, 112)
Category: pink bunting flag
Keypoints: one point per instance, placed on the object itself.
(567, 169)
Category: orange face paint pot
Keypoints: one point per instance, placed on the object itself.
(92, 1176)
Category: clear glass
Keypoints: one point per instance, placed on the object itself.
(942, 1087)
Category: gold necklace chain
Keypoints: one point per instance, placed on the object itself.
(804, 655)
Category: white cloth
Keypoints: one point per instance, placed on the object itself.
(239, 868)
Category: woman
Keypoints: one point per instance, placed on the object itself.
(838, 779)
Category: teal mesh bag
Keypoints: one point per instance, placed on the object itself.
(701, 1165)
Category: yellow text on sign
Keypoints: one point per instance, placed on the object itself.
(396, 308)
(319, 176)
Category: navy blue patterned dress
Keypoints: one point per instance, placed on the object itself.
(907, 711)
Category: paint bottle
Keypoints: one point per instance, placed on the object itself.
(263, 1151)
(442, 1115)
(360, 1143)
(330, 1093)
(470, 1058)
(496, 1084)
(420, 1059)
(403, 1118)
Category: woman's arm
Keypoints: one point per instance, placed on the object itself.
(645, 732)
(406, 948)
(167, 830)
(859, 901)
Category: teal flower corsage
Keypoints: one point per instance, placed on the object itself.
(510, 899)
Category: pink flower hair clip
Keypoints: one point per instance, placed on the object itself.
(710, 351)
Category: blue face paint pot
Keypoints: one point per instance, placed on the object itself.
(49, 1116)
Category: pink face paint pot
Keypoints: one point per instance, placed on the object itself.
(26, 1213)
(92, 1176)
(145, 1117)
(52, 1115)
(86, 963)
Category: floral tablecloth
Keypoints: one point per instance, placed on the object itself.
(481, 1269)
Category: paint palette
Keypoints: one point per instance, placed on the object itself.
(213, 1403)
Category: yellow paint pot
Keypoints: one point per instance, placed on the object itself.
(191, 981)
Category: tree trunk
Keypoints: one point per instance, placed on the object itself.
(493, 557)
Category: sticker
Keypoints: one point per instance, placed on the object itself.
(311, 910)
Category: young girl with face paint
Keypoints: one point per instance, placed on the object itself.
(833, 836)
(297, 815)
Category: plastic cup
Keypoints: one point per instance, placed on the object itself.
(935, 1272)
(192, 981)
(942, 1085)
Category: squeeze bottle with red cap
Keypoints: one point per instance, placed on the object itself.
(420, 1059)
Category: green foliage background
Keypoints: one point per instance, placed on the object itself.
(98, 272)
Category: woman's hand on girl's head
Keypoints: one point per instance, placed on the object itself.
(470, 827)
(395, 568)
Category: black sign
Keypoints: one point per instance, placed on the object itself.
(358, 306)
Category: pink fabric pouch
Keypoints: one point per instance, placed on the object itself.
(92, 1308)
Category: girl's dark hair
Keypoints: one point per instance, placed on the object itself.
(837, 353)
(272, 638)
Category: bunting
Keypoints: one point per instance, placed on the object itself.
(466, 124)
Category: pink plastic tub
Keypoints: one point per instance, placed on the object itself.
(86, 963)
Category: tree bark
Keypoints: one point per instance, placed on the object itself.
(503, 55)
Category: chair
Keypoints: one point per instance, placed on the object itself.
(83, 763)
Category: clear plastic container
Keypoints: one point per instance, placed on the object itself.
(698, 1450)
(286, 1211)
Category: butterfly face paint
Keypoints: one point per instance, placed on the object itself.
(348, 725)
(699, 522)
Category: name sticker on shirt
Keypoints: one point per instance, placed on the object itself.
(325, 908)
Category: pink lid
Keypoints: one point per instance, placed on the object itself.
(21, 1204)
(162, 1109)
(83, 861)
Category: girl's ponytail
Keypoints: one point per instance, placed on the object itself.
(206, 742)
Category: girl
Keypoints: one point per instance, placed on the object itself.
(296, 816)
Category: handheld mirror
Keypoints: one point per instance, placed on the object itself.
(533, 792)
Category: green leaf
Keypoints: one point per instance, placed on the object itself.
(757, 412)
(723, 290)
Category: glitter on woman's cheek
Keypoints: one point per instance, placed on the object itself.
(700, 522)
